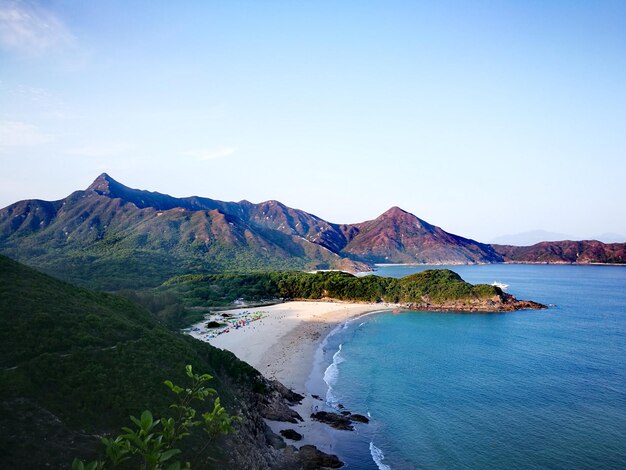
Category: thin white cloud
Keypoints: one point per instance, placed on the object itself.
(210, 154)
(28, 28)
(21, 134)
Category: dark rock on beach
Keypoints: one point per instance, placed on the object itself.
(291, 434)
(308, 457)
(314, 458)
(334, 420)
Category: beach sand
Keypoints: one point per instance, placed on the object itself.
(283, 345)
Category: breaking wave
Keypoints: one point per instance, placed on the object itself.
(330, 377)
(378, 457)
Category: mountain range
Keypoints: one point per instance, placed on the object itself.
(110, 236)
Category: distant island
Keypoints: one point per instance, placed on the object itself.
(112, 237)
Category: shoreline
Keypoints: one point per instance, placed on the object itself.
(286, 344)
(283, 342)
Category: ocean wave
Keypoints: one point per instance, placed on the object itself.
(331, 375)
(378, 457)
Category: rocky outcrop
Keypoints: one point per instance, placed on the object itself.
(357, 418)
(335, 420)
(342, 421)
(290, 396)
(275, 405)
(308, 457)
(291, 434)
(500, 303)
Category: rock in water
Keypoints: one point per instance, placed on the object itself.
(359, 418)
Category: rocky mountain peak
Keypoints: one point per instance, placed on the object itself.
(395, 211)
(398, 216)
(104, 184)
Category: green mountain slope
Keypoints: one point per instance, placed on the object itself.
(76, 363)
(110, 236)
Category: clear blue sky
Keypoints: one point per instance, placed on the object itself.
(483, 118)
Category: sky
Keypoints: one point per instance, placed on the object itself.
(485, 117)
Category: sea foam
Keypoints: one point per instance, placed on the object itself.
(330, 377)
(378, 457)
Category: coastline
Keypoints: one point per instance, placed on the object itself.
(282, 344)
(286, 344)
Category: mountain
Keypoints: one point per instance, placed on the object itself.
(110, 236)
(400, 237)
(74, 364)
(584, 252)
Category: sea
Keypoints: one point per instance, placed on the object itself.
(523, 390)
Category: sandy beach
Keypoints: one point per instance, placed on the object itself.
(282, 344)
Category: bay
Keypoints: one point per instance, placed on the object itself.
(529, 389)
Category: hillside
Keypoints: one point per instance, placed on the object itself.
(583, 252)
(435, 289)
(400, 237)
(76, 364)
(109, 236)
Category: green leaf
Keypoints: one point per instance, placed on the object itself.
(146, 421)
(78, 465)
(168, 454)
(174, 466)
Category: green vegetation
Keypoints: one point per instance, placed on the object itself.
(151, 446)
(91, 360)
(112, 268)
(431, 286)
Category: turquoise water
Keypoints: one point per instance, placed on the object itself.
(532, 389)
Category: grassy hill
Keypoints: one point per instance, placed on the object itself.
(75, 363)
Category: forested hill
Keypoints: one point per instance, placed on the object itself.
(436, 289)
(74, 364)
